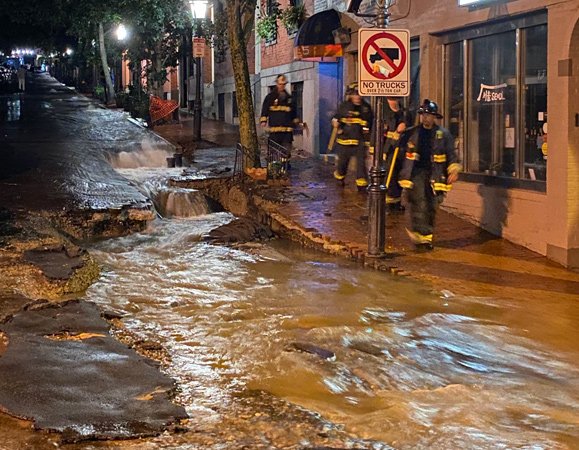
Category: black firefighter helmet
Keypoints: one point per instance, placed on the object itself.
(352, 88)
(429, 107)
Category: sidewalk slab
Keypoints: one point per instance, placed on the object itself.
(64, 371)
(466, 259)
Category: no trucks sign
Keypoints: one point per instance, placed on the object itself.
(383, 62)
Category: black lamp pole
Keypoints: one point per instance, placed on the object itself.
(197, 107)
(198, 11)
(377, 187)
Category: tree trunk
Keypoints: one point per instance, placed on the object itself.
(157, 83)
(183, 69)
(238, 49)
(105, 66)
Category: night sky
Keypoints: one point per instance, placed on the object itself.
(32, 24)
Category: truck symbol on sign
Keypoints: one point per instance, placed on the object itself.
(392, 53)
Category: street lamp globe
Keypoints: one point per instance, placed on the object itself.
(121, 32)
(198, 8)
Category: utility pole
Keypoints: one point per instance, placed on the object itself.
(377, 187)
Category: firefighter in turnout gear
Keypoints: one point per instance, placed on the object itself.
(430, 167)
(279, 113)
(396, 122)
(353, 121)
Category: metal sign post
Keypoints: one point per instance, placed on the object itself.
(377, 188)
(382, 70)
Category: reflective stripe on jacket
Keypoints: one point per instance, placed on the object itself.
(354, 123)
(444, 158)
(278, 112)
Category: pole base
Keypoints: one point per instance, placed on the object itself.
(372, 257)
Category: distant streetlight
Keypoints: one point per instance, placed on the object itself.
(121, 32)
(198, 8)
(198, 12)
(69, 51)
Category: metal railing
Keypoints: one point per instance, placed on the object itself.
(277, 160)
(238, 165)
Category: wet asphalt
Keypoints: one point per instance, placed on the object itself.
(54, 152)
(55, 144)
(60, 367)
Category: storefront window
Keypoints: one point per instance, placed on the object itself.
(491, 144)
(501, 75)
(535, 102)
(455, 89)
(414, 98)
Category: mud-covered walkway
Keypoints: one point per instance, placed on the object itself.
(272, 349)
(60, 367)
(314, 210)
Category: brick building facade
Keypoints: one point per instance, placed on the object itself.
(501, 72)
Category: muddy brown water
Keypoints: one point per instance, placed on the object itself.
(412, 369)
(398, 365)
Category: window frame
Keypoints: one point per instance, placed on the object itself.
(297, 87)
(465, 37)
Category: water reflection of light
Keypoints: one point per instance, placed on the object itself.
(408, 370)
(13, 110)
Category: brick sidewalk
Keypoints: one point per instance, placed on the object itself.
(466, 259)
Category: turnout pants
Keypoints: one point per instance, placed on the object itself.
(423, 205)
(345, 153)
(285, 140)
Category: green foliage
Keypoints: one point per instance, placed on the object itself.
(266, 26)
(99, 92)
(136, 102)
(121, 99)
(292, 17)
(215, 34)
(156, 29)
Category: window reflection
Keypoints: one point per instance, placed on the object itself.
(455, 88)
(535, 103)
(501, 135)
(493, 104)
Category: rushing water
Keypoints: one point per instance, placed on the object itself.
(408, 368)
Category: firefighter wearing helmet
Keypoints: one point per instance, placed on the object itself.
(396, 121)
(430, 167)
(279, 113)
(352, 121)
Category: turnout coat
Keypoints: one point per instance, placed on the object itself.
(444, 158)
(279, 112)
(355, 122)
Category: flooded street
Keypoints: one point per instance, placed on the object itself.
(276, 347)
(379, 358)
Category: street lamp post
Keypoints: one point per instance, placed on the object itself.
(198, 12)
(377, 187)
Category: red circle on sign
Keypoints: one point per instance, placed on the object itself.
(372, 42)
